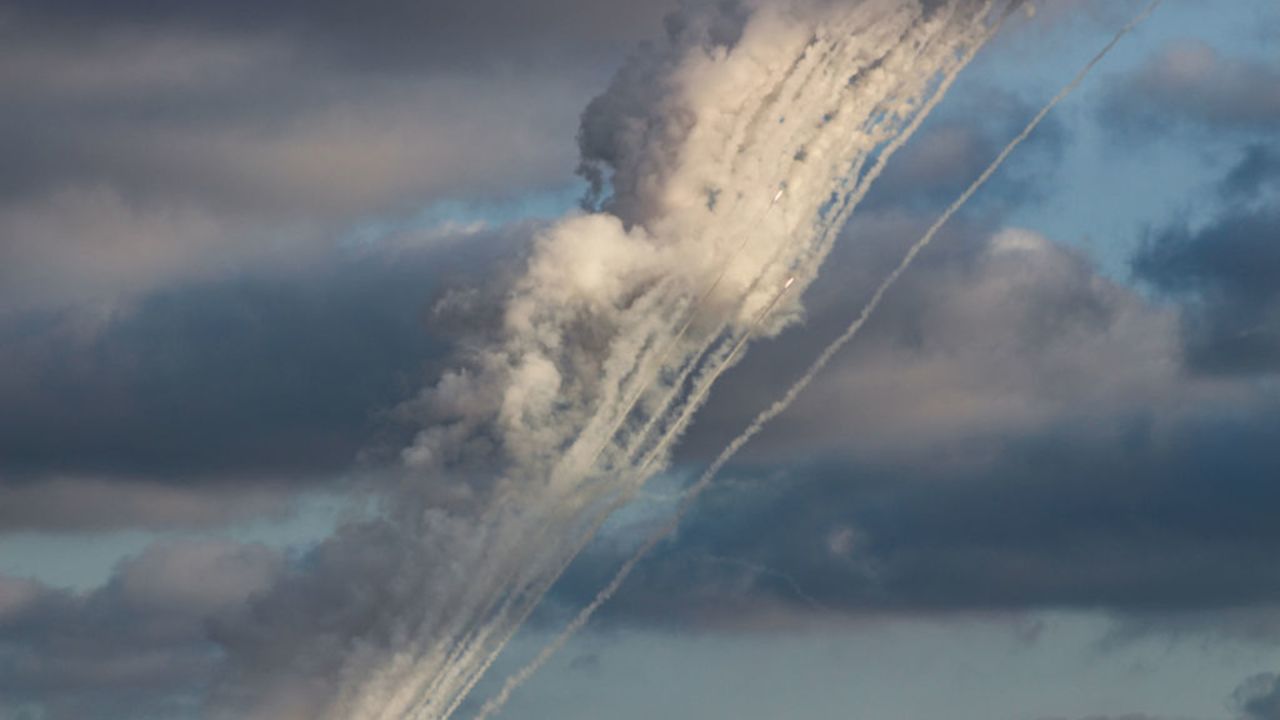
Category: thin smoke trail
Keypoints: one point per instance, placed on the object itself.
(653, 454)
(765, 570)
(520, 677)
(696, 400)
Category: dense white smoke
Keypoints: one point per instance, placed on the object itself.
(627, 315)
(724, 160)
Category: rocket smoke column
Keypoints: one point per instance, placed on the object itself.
(723, 161)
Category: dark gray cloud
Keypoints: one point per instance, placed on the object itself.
(217, 377)
(381, 35)
(1229, 273)
(1256, 172)
(134, 648)
(209, 400)
(1226, 272)
(1191, 84)
(1115, 521)
(148, 142)
(348, 599)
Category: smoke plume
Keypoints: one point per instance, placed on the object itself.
(780, 406)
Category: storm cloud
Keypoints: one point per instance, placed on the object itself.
(218, 399)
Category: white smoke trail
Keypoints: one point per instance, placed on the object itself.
(698, 395)
(611, 339)
(532, 597)
(580, 620)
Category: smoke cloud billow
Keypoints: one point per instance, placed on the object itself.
(723, 161)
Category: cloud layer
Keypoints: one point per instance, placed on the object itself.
(202, 136)
(136, 647)
(193, 333)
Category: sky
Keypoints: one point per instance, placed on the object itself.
(244, 248)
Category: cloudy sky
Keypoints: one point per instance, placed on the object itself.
(238, 239)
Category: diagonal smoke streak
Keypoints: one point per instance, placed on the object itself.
(579, 621)
(650, 374)
(686, 412)
(703, 387)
